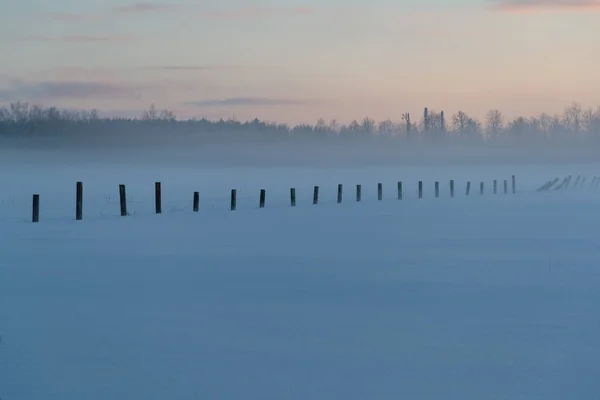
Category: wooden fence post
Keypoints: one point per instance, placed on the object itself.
(233, 205)
(495, 186)
(316, 195)
(123, 200)
(420, 189)
(514, 185)
(437, 190)
(358, 193)
(339, 193)
(452, 188)
(293, 197)
(263, 195)
(481, 188)
(196, 204)
(157, 197)
(35, 215)
(399, 190)
(380, 191)
(505, 186)
(468, 192)
(79, 201)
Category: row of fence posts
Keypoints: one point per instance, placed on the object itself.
(262, 198)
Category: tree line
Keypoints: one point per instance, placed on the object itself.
(575, 123)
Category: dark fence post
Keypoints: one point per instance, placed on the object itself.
(420, 189)
(468, 188)
(495, 186)
(505, 186)
(157, 197)
(233, 199)
(437, 190)
(399, 190)
(35, 215)
(293, 197)
(514, 185)
(263, 195)
(123, 200)
(339, 193)
(451, 188)
(316, 195)
(196, 201)
(79, 201)
(358, 193)
(380, 191)
(481, 188)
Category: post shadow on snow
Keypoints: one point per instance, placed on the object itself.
(292, 195)
(551, 185)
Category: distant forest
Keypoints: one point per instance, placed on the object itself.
(574, 124)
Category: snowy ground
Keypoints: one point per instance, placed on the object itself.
(486, 297)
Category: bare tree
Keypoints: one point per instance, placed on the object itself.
(432, 121)
(387, 128)
(573, 117)
(167, 115)
(151, 114)
(369, 126)
(494, 123)
(465, 126)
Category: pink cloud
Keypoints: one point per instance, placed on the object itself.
(78, 38)
(148, 7)
(144, 8)
(257, 12)
(537, 6)
(72, 17)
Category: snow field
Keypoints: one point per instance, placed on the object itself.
(490, 297)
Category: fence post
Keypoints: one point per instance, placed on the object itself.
(358, 193)
(79, 201)
(495, 186)
(437, 190)
(481, 188)
(468, 188)
(452, 188)
(233, 205)
(35, 215)
(316, 195)
(514, 185)
(293, 197)
(399, 190)
(420, 189)
(157, 197)
(196, 201)
(123, 200)
(339, 193)
(263, 195)
(505, 186)
(380, 191)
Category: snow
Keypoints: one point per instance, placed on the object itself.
(485, 297)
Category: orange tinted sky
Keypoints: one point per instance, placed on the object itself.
(295, 62)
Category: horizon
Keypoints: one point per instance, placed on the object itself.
(298, 62)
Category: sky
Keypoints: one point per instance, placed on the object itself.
(296, 61)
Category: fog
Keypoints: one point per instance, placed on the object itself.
(472, 295)
(169, 148)
(30, 133)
